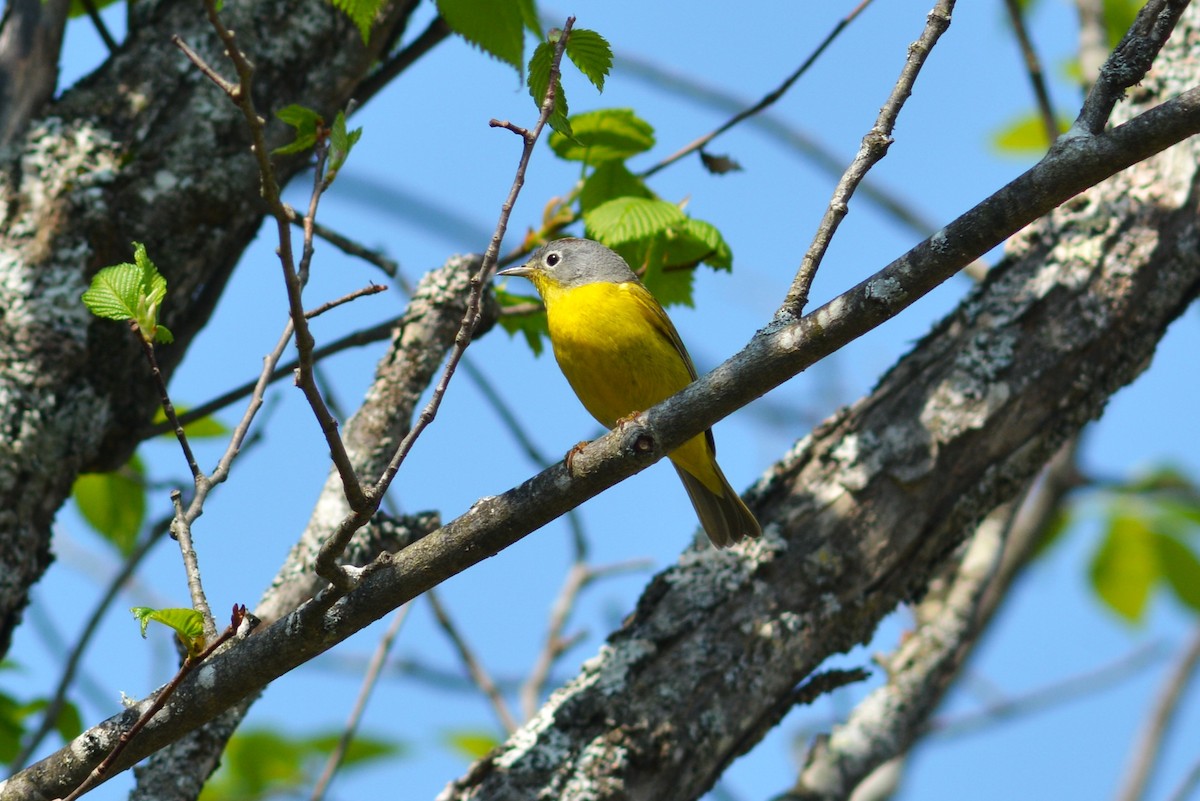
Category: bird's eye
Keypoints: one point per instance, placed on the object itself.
(552, 259)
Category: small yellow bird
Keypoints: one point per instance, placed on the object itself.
(621, 355)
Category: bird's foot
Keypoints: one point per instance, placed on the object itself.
(570, 457)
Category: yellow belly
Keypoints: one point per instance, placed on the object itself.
(619, 361)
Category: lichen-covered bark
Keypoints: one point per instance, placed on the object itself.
(146, 149)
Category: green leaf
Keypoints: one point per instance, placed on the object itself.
(260, 762)
(609, 181)
(590, 52)
(1126, 566)
(69, 723)
(305, 122)
(496, 27)
(114, 504)
(113, 294)
(186, 623)
(1119, 16)
(532, 325)
(529, 16)
(694, 241)
(539, 81)
(1024, 135)
(341, 142)
(471, 743)
(361, 12)
(628, 219)
(206, 427)
(605, 135)
(1181, 569)
(130, 292)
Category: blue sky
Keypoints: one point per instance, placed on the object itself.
(426, 141)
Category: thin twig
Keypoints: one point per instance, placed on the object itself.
(474, 667)
(1050, 695)
(351, 248)
(874, 147)
(89, 6)
(579, 577)
(770, 99)
(513, 423)
(164, 399)
(366, 336)
(369, 289)
(181, 532)
(1033, 68)
(369, 682)
(1150, 743)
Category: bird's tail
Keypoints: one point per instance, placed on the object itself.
(725, 519)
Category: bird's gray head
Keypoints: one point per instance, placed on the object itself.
(575, 262)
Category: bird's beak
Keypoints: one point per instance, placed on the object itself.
(524, 271)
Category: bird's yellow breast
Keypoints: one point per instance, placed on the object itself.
(612, 349)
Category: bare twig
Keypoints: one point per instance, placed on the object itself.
(474, 667)
(351, 248)
(768, 100)
(369, 289)
(1033, 68)
(369, 682)
(579, 577)
(110, 43)
(1158, 723)
(164, 399)
(874, 147)
(1052, 694)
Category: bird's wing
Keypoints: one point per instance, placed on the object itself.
(662, 324)
(658, 319)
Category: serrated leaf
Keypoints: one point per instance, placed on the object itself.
(529, 16)
(694, 241)
(471, 743)
(361, 12)
(1181, 569)
(591, 53)
(1126, 566)
(186, 623)
(305, 122)
(609, 181)
(114, 504)
(496, 28)
(605, 135)
(539, 81)
(628, 219)
(531, 325)
(113, 294)
(341, 142)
